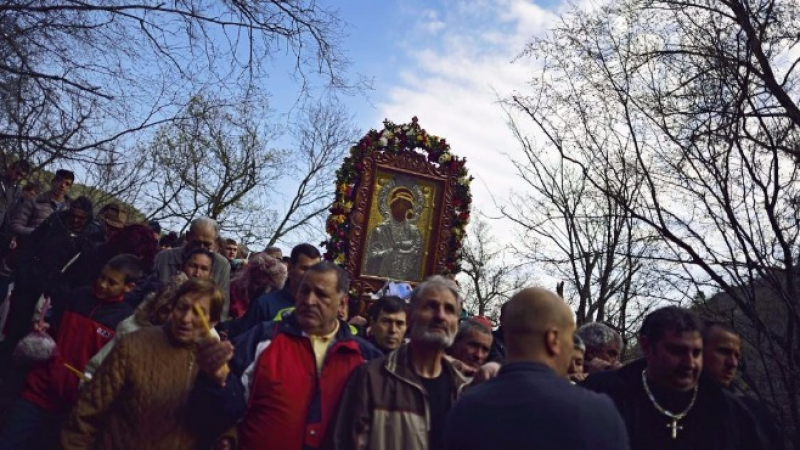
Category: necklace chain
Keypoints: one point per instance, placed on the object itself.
(670, 414)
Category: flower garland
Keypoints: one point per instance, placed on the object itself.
(395, 139)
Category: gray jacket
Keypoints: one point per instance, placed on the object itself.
(31, 213)
(169, 262)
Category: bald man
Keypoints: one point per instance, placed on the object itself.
(530, 404)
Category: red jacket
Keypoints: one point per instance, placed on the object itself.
(274, 383)
(86, 325)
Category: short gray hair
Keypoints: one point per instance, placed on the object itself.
(436, 282)
(596, 335)
(578, 343)
(204, 222)
(469, 325)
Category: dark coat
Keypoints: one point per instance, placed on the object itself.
(47, 250)
(528, 406)
(498, 351)
(263, 308)
(721, 421)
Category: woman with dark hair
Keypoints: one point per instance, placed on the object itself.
(262, 274)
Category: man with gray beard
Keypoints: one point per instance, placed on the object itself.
(402, 400)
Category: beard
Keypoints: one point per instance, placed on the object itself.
(424, 334)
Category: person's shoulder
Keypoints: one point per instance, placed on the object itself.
(598, 421)
(591, 400)
(261, 332)
(170, 252)
(367, 349)
(610, 381)
(272, 296)
(221, 261)
(142, 340)
(126, 326)
(146, 337)
(167, 256)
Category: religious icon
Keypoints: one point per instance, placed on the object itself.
(394, 247)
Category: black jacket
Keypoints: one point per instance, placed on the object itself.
(718, 421)
(46, 251)
(498, 351)
(528, 406)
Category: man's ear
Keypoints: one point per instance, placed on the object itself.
(552, 342)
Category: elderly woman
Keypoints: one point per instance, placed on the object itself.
(138, 397)
(262, 274)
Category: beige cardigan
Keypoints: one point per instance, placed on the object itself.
(138, 398)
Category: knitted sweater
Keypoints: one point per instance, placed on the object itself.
(137, 398)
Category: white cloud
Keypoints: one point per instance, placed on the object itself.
(452, 81)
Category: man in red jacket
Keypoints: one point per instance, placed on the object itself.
(286, 377)
(89, 320)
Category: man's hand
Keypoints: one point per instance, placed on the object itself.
(486, 372)
(358, 321)
(225, 443)
(212, 358)
(577, 377)
(599, 365)
(464, 368)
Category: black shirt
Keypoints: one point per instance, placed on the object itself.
(715, 422)
(440, 391)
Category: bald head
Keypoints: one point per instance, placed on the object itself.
(203, 224)
(203, 233)
(538, 326)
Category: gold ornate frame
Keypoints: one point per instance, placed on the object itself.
(411, 165)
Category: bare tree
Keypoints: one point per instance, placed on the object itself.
(575, 233)
(78, 76)
(323, 131)
(489, 274)
(211, 164)
(116, 176)
(218, 164)
(696, 98)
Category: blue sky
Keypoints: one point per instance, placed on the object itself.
(447, 62)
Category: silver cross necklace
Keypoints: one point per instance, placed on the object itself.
(673, 425)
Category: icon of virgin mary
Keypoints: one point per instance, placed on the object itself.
(394, 246)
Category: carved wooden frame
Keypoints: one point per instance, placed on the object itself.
(415, 165)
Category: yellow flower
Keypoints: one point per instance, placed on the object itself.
(339, 259)
(347, 206)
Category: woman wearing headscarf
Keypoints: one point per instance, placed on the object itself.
(262, 274)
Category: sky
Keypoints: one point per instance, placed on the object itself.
(448, 62)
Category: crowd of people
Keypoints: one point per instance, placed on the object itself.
(167, 342)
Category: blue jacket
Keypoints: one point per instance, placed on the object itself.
(528, 406)
(263, 309)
